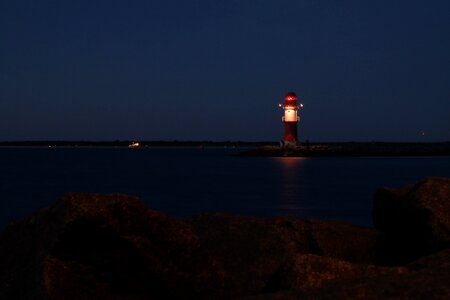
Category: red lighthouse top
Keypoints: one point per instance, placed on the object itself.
(290, 98)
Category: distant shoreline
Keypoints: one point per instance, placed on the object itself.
(126, 143)
(176, 143)
(263, 149)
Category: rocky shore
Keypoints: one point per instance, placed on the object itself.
(352, 150)
(89, 246)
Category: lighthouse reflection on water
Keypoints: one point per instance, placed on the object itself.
(291, 188)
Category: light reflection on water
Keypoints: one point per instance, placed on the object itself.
(290, 188)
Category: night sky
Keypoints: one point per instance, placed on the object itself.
(216, 70)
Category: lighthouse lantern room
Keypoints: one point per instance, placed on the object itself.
(290, 119)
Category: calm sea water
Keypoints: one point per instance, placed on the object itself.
(183, 182)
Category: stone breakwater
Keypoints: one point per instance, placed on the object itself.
(353, 150)
(89, 246)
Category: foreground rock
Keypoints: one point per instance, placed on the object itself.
(321, 278)
(105, 247)
(312, 271)
(415, 220)
(112, 247)
(251, 250)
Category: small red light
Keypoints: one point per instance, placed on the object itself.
(291, 96)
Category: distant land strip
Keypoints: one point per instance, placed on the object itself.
(268, 149)
(126, 143)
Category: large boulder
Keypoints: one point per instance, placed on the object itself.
(313, 271)
(415, 220)
(251, 250)
(314, 278)
(105, 247)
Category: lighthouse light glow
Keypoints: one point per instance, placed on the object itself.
(290, 98)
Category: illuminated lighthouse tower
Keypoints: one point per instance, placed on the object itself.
(290, 119)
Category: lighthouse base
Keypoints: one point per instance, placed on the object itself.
(290, 134)
(288, 145)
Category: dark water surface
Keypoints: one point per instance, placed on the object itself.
(183, 182)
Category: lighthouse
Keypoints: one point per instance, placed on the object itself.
(290, 119)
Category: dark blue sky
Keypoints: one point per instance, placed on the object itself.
(216, 70)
